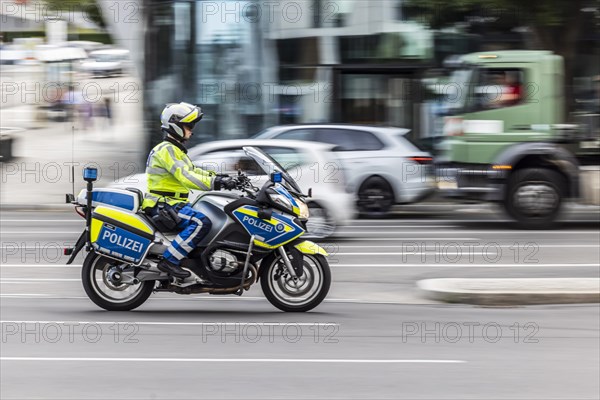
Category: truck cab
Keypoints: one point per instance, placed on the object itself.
(506, 139)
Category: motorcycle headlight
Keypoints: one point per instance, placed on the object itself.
(282, 200)
(304, 214)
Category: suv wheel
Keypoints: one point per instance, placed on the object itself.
(375, 198)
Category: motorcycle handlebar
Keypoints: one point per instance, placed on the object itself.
(243, 183)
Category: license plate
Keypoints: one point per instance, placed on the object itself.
(447, 185)
(593, 144)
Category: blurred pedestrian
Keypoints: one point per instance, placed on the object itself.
(86, 111)
(103, 117)
(68, 102)
(107, 106)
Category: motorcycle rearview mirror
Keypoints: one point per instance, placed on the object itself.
(276, 177)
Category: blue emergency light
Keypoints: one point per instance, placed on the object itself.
(276, 177)
(90, 174)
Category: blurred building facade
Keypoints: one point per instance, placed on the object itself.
(256, 63)
(253, 64)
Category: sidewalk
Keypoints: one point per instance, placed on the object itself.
(41, 172)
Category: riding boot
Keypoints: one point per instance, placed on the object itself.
(172, 269)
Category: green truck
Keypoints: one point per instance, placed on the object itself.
(506, 140)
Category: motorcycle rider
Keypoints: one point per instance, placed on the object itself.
(171, 174)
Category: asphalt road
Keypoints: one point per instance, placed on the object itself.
(374, 337)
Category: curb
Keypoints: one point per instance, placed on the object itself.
(509, 291)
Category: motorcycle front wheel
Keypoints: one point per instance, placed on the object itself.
(100, 278)
(300, 295)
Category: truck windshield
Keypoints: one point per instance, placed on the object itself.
(452, 92)
(455, 91)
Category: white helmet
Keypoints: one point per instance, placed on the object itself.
(174, 116)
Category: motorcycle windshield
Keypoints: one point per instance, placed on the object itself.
(269, 165)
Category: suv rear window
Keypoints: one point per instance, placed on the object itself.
(350, 139)
(297, 134)
(409, 142)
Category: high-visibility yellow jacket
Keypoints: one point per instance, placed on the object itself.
(169, 170)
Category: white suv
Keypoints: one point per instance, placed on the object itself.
(382, 165)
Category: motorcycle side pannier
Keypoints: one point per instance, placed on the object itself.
(120, 234)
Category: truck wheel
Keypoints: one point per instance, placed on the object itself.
(534, 197)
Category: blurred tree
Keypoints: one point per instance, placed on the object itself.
(556, 25)
(88, 6)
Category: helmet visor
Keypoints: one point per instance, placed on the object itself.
(191, 125)
(192, 117)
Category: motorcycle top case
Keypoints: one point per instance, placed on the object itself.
(120, 234)
(118, 198)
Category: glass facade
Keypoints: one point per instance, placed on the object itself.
(252, 64)
(376, 98)
(214, 60)
(249, 72)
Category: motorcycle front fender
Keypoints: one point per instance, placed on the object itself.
(308, 247)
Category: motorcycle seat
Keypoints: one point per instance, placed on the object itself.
(139, 193)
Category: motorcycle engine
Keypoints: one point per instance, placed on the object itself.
(224, 261)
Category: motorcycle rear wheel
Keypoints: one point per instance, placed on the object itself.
(104, 293)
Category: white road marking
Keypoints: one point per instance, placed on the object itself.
(468, 246)
(419, 253)
(16, 280)
(40, 266)
(468, 231)
(411, 220)
(196, 298)
(379, 246)
(234, 360)
(420, 226)
(12, 283)
(416, 225)
(172, 323)
(361, 265)
(40, 232)
(406, 232)
(406, 238)
(488, 265)
(43, 220)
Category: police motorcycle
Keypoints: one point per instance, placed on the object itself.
(256, 234)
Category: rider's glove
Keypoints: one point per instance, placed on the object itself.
(225, 182)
